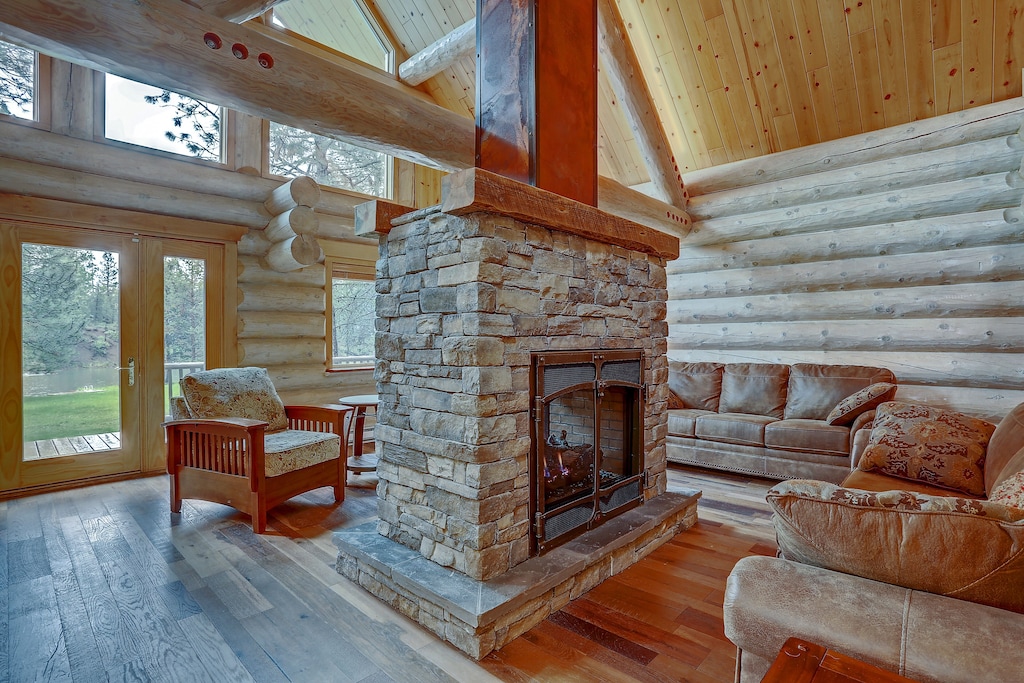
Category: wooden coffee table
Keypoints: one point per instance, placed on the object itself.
(802, 662)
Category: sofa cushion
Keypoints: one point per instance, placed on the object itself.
(1005, 443)
(234, 392)
(859, 402)
(941, 447)
(290, 449)
(754, 388)
(807, 436)
(815, 389)
(739, 428)
(963, 548)
(697, 384)
(684, 422)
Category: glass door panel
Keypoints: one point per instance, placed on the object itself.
(71, 341)
(184, 322)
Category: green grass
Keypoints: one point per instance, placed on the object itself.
(64, 415)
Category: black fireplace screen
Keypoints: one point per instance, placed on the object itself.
(586, 443)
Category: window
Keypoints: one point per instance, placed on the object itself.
(351, 311)
(18, 81)
(144, 115)
(293, 152)
(342, 26)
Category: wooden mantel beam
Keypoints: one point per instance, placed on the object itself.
(439, 55)
(161, 42)
(236, 11)
(628, 82)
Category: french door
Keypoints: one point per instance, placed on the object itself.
(83, 378)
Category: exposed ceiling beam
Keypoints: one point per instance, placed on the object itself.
(627, 80)
(439, 55)
(161, 42)
(234, 10)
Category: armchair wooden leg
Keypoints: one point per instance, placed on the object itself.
(339, 488)
(175, 494)
(259, 514)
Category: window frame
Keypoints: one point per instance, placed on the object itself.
(42, 104)
(227, 136)
(347, 268)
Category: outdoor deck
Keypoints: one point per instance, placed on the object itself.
(37, 450)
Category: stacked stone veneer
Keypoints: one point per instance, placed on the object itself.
(462, 302)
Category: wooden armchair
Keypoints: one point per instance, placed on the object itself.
(241, 446)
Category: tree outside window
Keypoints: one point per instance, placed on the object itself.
(353, 308)
(17, 81)
(295, 152)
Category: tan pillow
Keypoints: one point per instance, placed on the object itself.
(234, 392)
(940, 447)
(847, 410)
(963, 548)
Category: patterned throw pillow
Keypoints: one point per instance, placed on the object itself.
(1010, 492)
(847, 410)
(234, 392)
(961, 547)
(940, 447)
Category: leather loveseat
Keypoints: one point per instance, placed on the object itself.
(782, 421)
(902, 565)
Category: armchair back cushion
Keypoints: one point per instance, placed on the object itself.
(234, 392)
(815, 389)
(755, 389)
(963, 548)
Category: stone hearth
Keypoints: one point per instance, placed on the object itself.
(466, 291)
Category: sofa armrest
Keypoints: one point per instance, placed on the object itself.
(926, 637)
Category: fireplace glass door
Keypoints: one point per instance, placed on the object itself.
(587, 441)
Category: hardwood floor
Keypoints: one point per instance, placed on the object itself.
(103, 583)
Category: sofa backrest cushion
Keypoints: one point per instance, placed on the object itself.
(815, 389)
(1006, 441)
(698, 384)
(234, 392)
(755, 388)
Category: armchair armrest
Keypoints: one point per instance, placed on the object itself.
(860, 430)
(229, 445)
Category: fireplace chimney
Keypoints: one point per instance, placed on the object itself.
(536, 94)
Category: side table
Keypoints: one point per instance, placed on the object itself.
(360, 462)
(802, 662)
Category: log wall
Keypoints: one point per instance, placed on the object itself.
(900, 248)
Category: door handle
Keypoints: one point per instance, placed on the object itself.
(131, 370)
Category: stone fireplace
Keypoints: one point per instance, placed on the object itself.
(471, 295)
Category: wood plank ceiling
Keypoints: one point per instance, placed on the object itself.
(734, 79)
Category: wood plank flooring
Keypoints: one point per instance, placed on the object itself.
(103, 583)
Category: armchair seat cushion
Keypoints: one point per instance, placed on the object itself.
(291, 449)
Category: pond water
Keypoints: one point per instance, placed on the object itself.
(66, 381)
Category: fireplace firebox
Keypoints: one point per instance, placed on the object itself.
(586, 463)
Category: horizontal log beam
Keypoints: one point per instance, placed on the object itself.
(940, 199)
(45, 148)
(235, 10)
(978, 123)
(955, 335)
(251, 271)
(280, 325)
(941, 301)
(272, 297)
(264, 352)
(935, 233)
(300, 220)
(299, 191)
(439, 55)
(886, 175)
(294, 253)
(1002, 263)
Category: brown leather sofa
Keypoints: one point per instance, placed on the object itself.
(768, 419)
(904, 574)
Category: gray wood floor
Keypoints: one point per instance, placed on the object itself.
(103, 583)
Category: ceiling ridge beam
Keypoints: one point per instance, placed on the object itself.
(439, 55)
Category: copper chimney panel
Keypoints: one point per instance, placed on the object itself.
(536, 94)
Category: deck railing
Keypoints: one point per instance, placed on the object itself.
(173, 372)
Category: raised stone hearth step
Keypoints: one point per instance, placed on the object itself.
(480, 616)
